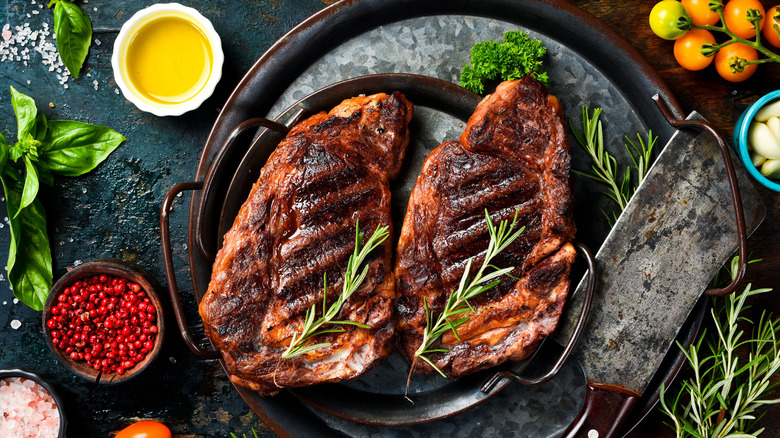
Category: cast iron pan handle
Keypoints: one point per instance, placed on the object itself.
(605, 410)
(588, 255)
(216, 165)
(170, 273)
(736, 198)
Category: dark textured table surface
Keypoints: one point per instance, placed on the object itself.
(114, 211)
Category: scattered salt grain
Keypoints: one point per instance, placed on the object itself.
(97, 42)
(5, 303)
(18, 43)
(77, 262)
(16, 300)
(27, 409)
(15, 324)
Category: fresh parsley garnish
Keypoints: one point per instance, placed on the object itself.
(515, 58)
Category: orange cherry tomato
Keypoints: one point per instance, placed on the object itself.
(735, 14)
(145, 429)
(687, 50)
(700, 12)
(770, 34)
(725, 56)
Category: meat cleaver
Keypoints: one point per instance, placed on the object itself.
(677, 231)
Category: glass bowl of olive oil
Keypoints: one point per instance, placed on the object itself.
(167, 59)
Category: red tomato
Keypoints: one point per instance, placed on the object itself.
(145, 429)
(725, 56)
(687, 50)
(735, 14)
(770, 34)
(700, 12)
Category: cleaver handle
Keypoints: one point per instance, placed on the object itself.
(605, 410)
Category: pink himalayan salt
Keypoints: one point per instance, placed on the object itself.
(27, 410)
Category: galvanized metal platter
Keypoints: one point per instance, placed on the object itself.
(589, 65)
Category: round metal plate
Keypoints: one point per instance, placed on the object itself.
(380, 397)
(593, 49)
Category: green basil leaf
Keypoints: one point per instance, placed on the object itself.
(73, 31)
(30, 184)
(29, 256)
(3, 151)
(74, 148)
(41, 127)
(45, 176)
(15, 152)
(26, 112)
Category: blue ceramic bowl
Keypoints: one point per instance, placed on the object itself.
(740, 139)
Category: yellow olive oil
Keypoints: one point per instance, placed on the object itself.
(169, 60)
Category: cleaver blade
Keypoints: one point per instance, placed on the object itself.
(677, 231)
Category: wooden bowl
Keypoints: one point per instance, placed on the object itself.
(116, 268)
(13, 372)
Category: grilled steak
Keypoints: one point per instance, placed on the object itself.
(512, 156)
(298, 224)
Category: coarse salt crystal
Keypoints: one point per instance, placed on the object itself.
(27, 409)
(15, 324)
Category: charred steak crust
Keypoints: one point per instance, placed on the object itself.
(513, 155)
(298, 223)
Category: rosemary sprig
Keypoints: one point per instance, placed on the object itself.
(722, 397)
(312, 326)
(458, 302)
(604, 168)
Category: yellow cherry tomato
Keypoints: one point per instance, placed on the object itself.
(687, 50)
(772, 18)
(735, 15)
(145, 429)
(700, 12)
(663, 19)
(727, 54)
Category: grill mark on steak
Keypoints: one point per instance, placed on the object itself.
(297, 225)
(513, 154)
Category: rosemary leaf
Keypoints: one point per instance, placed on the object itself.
(312, 327)
(726, 390)
(458, 302)
(604, 168)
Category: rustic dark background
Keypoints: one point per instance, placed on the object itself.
(114, 211)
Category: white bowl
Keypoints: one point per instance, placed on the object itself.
(129, 30)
